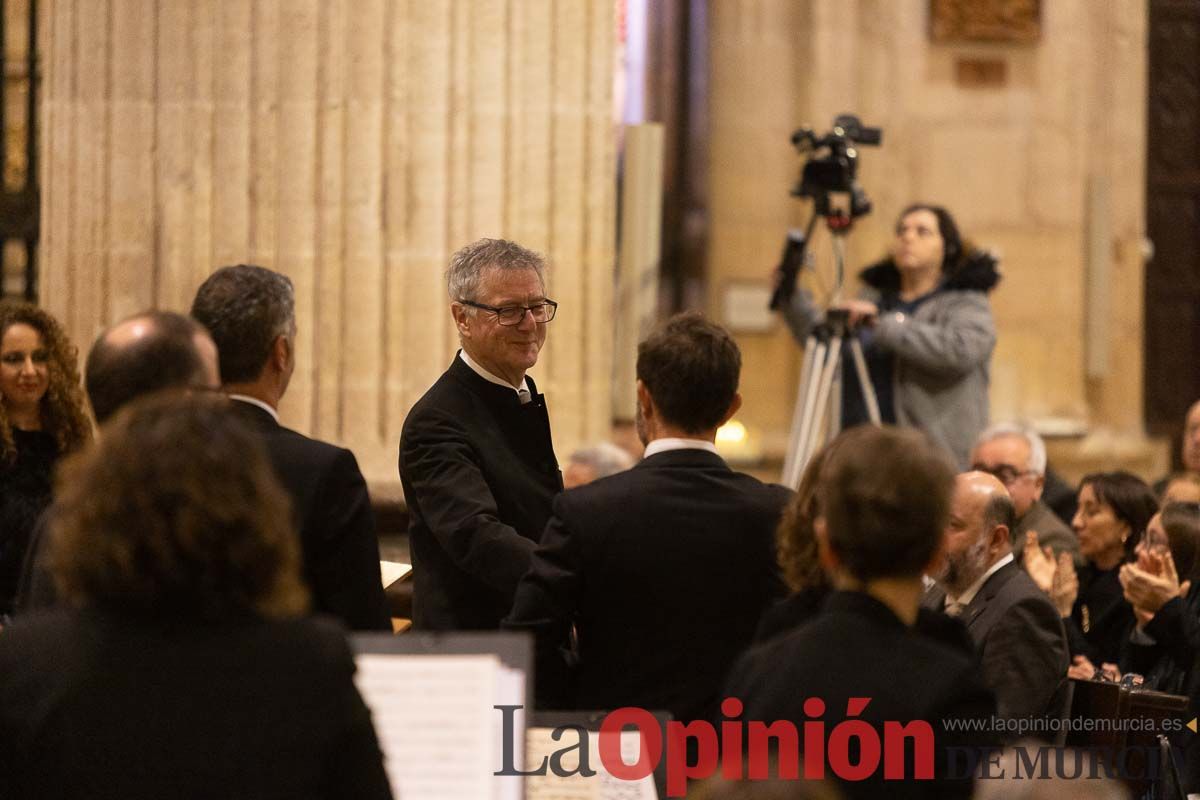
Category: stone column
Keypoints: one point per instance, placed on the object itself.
(353, 145)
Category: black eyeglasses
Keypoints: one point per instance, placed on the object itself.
(512, 315)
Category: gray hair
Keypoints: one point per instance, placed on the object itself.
(1037, 447)
(467, 266)
(604, 459)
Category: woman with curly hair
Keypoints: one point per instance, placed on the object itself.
(42, 417)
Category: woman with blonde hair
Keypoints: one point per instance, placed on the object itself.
(42, 418)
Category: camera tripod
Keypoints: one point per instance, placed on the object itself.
(819, 394)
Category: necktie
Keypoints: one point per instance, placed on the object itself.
(954, 608)
(524, 396)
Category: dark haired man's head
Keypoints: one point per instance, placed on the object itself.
(884, 499)
(147, 352)
(687, 374)
(251, 313)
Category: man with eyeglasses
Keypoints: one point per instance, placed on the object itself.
(1016, 455)
(476, 459)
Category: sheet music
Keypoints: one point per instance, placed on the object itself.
(539, 743)
(435, 722)
(392, 571)
(510, 691)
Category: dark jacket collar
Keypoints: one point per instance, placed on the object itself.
(492, 392)
(259, 417)
(687, 457)
(979, 273)
(863, 605)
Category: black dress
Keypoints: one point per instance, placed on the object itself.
(1101, 620)
(25, 490)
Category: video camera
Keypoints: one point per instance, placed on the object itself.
(835, 169)
(832, 167)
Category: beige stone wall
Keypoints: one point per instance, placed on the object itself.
(353, 145)
(1013, 162)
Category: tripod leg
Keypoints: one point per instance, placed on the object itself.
(823, 390)
(791, 460)
(809, 411)
(864, 381)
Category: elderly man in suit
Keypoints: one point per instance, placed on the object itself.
(663, 569)
(476, 460)
(1016, 455)
(1020, 637)
(250, 312)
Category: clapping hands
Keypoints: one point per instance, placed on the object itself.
(1151, 583)
(1054, 576)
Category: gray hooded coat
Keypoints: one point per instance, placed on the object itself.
(942, 352)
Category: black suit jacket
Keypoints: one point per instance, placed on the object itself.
(1021, 641)
(334, 518)
(858, 648)
(479, 471)
(664, 570)
(101, 706)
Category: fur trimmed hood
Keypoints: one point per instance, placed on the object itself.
(980, 272)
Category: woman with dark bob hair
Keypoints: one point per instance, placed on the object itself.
(1114, 510)
(42, 417)
(926, 328)
(182, 668)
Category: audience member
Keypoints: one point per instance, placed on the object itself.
(598, 461)
(1114, 509)
(1182, 487)
(1021, 641)
(42, 417)
(796, 547)
(664, 569)
(1163, 588)
(1166, 651)
(250, 312)
(476, 460)
(1016, 455)
(180, 669)
(1189, 447)
(145, 353)
(138, 356)
(625, 436)
(884, 500)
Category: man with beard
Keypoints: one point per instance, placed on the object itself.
(1020, 637)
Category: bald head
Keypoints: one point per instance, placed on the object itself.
(977, 536)
(145, 353)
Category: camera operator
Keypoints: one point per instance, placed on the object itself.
(926, 329)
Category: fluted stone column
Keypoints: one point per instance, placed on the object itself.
(353, 145)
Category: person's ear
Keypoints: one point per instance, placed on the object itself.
(281, 352)
(462, 317)
(733, 408)
(645, 401)
(1001, 541)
